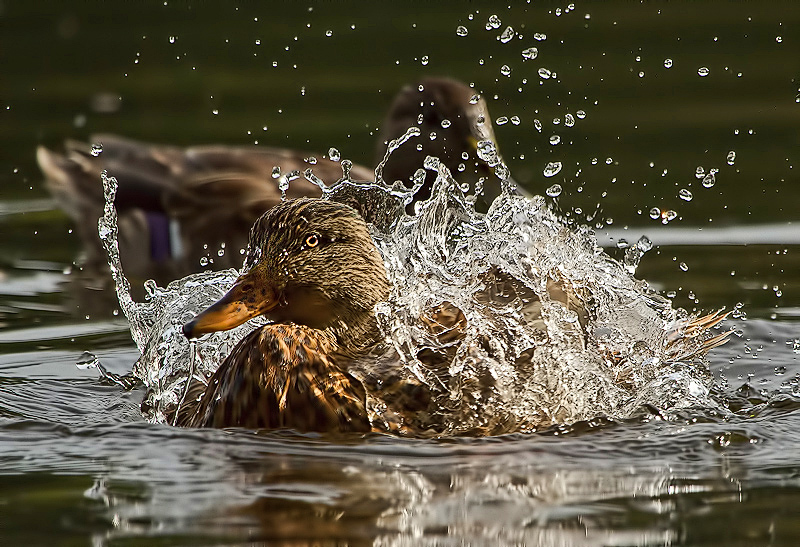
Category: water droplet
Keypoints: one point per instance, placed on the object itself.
(516, 121)
(493, 22)
(87, 360)
(555, 139)
(778, 39)
(552, 169)
(655, 213)
(487, 151)
(708, 180)
(474, 99)
(667, 63)
(505, 70)
(276, 171)
(462, 30)
(432, 135)
(554, 191)
(334, 155)
(622, 243)
(703, 71)
(685, 195)
(544, 73)
(538, 125)
(699, 173)
(215, 111)
(683, 266)
(97, 149)
(507, 35)
(530, 53)
(445, 124)
(204, 261)
(668, 216)
(581, 114)
(569, 120)
(540, 36)
(731, 157)
(424, 60)
(328, 33)
(502, 120)
(172, 39)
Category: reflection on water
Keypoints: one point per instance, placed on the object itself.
(536, 490)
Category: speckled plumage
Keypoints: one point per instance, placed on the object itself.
(311, 267)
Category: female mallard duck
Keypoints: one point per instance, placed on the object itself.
(313, 269)
(178, 205)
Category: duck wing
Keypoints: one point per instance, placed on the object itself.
(282, 376)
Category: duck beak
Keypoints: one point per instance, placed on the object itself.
(245, 300)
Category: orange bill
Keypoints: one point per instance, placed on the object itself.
(245, 300)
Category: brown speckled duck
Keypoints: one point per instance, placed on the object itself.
(313, 269)
(177, 205)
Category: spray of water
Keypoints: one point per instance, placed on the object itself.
(546, 327)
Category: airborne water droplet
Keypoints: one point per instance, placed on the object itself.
(731, 157)
(708, 180)
(703, 71)
(97, 149)
(554, 190)
(462, 30)
(552, 169)
(507, 35)
(555, 139)
(667, 63)
(505, 70)
(276, 171)
(685, 194)
(334, 155)
(544, 73)
(530, 53)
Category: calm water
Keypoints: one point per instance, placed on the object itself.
(78, 463)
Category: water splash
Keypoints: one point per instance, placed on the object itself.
(548, 328)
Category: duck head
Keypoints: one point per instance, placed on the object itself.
(460, 120)
(310, 262)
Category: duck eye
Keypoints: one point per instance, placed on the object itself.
(312, 240)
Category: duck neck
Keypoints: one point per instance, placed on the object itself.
(356, 333)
